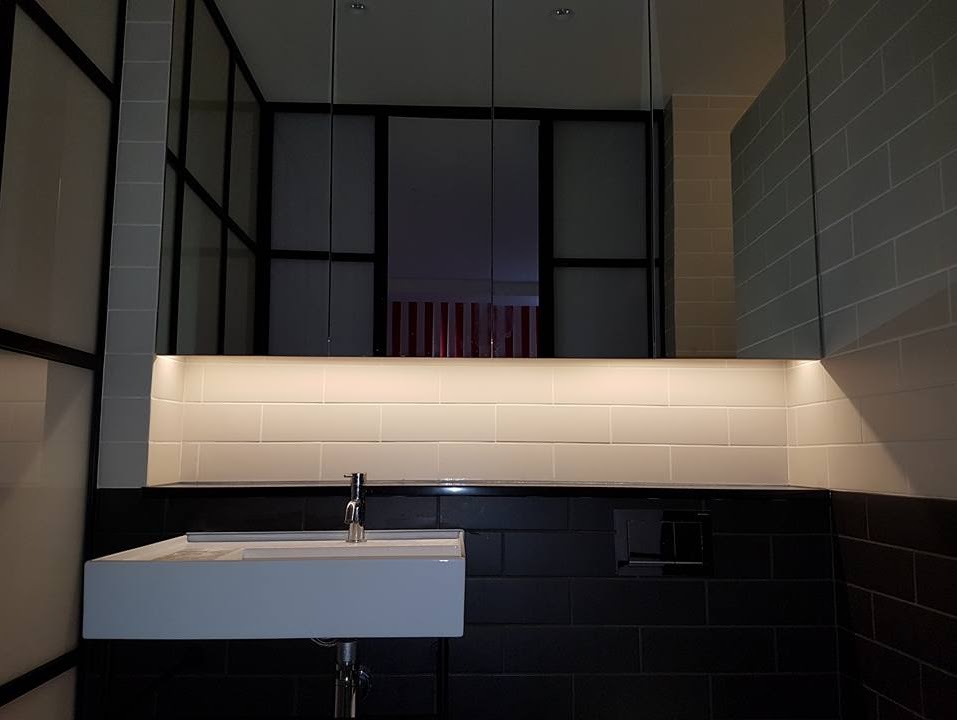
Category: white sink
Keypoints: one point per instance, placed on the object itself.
(280, 585)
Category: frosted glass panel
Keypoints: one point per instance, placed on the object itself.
(353, 187)
(300, 212)
(299, 307)
(599, 190)
(176, 75)
(163, 345)
(91, 25)
(209, 77)
(240, 297)
(244, 158)
(54, 700)
(198, 326)
(45, 411)
(440, 210)
(352, 308)
(52, 205)
(515, 240)
(601, 312)
(300, 202)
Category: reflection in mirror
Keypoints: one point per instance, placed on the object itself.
(739, 226)
(617, 179)
(210, 255)
(232, 157)
(573, 243)
(411, 241)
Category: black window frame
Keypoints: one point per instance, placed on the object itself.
(177, 161)
(23, 344)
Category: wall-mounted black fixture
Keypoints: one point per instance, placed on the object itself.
(663, 542)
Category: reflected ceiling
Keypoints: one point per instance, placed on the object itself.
(436, 52)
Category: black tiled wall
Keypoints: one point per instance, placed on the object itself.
(552, 631)
(896, 561)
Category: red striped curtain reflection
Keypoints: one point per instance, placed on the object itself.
(455, 329)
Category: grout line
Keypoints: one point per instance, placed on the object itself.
(840, 42)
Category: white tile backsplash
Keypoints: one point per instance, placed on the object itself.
(408, 420)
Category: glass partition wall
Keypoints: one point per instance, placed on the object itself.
(211, 219)
(59, 110)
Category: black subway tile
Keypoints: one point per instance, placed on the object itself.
(129, 698)
(326, 512)
(503, 513)
(398, 656)
(763, 697)
(637, 601)
(402, 695)
(800, 512)
(876, 567)
(939, 694)
(924, 634)
(480, 697)
(224, 514)
(128, 511)
(810, 649)
(479, 650)
(400, 513)
(849, 513)
(802, 556)
(227, 697)
(881, 669)
(483, 553)
(919, 523)
(172, 657)
(623, 697)
(557, 650)
(887, 710)
(707, 650)
(315, 696)
(741, 556)
(857, 701)
(280, 657)
(937, 583)
(854, 610)
(765, 602)
(516, 601)
(737, 697)
(560, 554)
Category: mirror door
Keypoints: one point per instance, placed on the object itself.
(616, 179)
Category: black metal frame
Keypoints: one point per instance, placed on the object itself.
(37, 347)
(178, 161)
(31, 680)
(653, 251)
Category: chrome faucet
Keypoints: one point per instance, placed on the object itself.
(356, 508)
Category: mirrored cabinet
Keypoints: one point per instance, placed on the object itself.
(418, 178)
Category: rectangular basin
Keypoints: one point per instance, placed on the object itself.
(280, 585)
